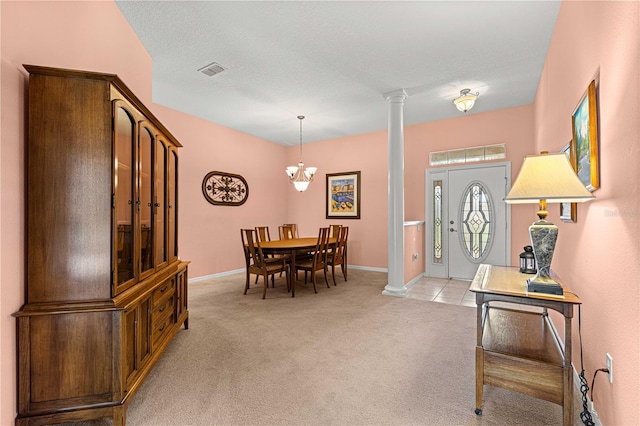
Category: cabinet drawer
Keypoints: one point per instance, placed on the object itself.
(163, 308)
(162, 327)
(164, 291)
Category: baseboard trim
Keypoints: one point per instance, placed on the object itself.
(241, 271)
(218, 275)
(368, 268)
(413, 281)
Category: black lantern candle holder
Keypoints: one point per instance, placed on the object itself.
(527, 261)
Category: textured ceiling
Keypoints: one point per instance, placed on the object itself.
(333, 61)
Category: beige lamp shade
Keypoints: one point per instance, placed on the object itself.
(547, 177)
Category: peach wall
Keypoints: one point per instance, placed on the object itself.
(209, 236)
(589, 36)
(366, 153)
(414, 235)
(513, 127)
(598, 255)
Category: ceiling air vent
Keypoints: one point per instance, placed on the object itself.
(211, 69)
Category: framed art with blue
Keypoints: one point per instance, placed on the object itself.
(343, 195)
(585, 149)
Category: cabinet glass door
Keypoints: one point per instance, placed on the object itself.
(147, 225)
(160, 196)
(173, 198)
(124, 134)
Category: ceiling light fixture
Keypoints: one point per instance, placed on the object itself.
(466, 100)
(298, 175)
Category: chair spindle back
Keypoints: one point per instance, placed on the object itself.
(263, 233)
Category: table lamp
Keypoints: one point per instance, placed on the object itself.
(546, 178)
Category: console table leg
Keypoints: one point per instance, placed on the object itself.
(479, 378)
(567, 403)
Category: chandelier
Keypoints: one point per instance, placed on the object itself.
(466, 100)
(298, 175)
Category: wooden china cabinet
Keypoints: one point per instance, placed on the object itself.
(105, 291)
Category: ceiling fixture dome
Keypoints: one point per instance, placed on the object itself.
(466, 100)
(298, 175)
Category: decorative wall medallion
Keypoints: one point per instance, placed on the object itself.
(225, 189)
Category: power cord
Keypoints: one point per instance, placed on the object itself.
(605, 370)
(585, 416)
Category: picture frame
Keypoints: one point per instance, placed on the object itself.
(343, 195)
(569, 211)
(585, 147)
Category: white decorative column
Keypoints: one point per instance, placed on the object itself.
(395, 286)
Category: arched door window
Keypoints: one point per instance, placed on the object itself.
(476, 222)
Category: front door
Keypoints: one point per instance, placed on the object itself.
(473, 224)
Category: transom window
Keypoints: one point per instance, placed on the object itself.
(468, 155)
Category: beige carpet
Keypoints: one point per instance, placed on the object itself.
(345, 356)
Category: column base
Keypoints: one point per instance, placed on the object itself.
(395, 291)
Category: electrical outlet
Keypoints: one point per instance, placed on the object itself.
(610, 368)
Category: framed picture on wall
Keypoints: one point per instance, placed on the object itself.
(569, 211)
(585, 139)
(343, 195)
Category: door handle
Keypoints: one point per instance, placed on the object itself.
(453, 230)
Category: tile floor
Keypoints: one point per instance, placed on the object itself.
(443, 290)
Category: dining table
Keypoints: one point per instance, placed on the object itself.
(292, 247)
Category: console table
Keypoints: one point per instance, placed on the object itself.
(517, 347)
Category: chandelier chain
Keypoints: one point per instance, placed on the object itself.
(301, 117)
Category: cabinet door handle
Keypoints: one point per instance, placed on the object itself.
(162, 309)
(163, 289)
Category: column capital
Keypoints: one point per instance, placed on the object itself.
(396, 95)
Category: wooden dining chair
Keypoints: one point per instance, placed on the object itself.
(317, 261)
(263, 233)
(258, 264)
(338, 255)
(285, 232)
(294, 229)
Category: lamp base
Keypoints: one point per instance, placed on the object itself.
(543, 239)
(542, 284)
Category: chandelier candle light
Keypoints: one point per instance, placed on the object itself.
(546, 178)
(298, 175)
(466, 100)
